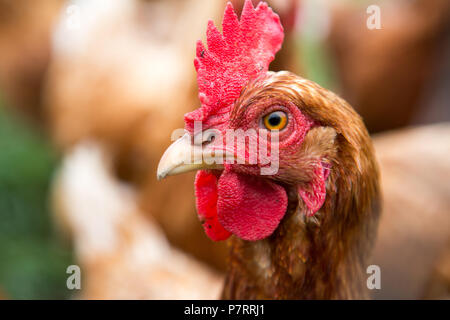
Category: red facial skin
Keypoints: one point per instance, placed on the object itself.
(289, 138)
(239, 200)
(243, 202)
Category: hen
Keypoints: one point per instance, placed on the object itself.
(304, 207)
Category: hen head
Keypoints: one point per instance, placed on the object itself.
(260, 139)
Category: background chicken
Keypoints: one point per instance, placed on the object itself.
(122, 254)
(121, 77)
(389, 71)
(413, 235)
(25, 37)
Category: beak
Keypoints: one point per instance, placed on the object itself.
(183, 156)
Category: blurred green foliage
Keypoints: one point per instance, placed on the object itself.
(317, 63)
(33, 260)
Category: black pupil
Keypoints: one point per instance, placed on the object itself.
(274, 119)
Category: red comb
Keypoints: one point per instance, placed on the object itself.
(243, 52)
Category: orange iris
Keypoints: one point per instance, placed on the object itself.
(276, 120)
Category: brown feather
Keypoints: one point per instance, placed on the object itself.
(323, 257)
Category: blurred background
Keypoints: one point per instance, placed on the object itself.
(91, 91)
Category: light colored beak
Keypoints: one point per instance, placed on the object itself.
(183, 156)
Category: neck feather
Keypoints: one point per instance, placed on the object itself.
(320, 257)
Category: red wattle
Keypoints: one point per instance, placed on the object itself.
(314, 198)
(250, 207)
(206, 201)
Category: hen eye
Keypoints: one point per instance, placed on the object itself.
(276, 120)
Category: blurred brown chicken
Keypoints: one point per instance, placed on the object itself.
(121, 74)
(385, 72)
(25, 37)
(414, 232)
(122, 255)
